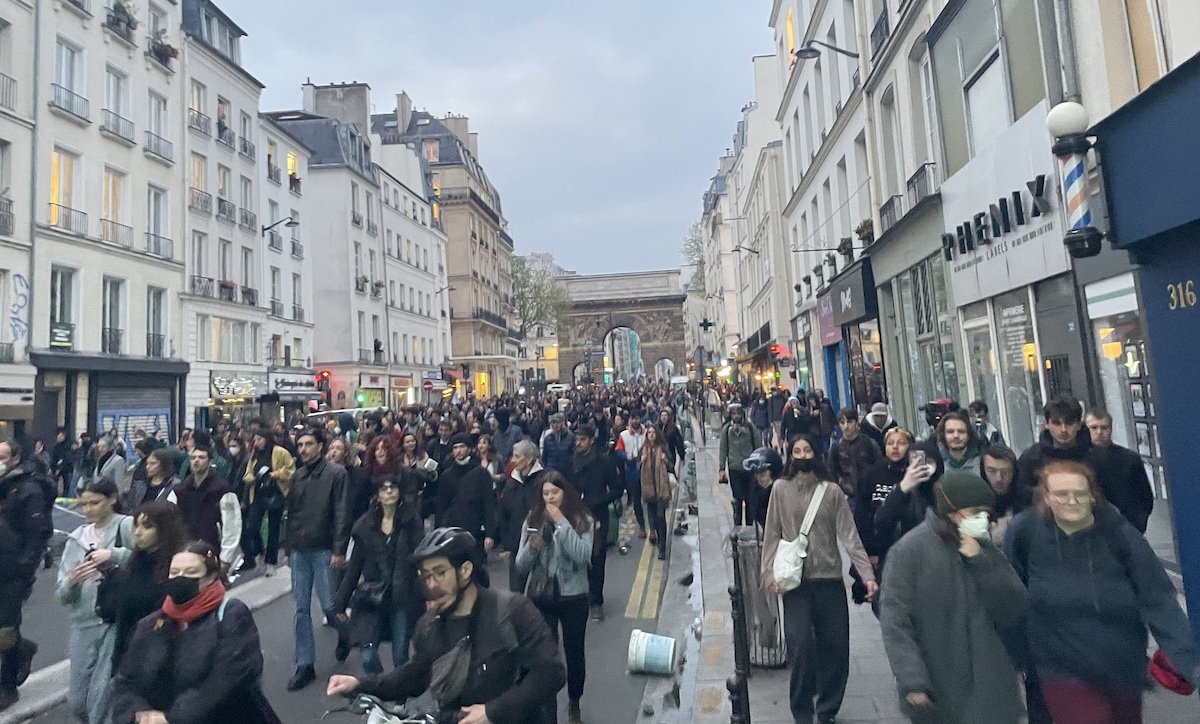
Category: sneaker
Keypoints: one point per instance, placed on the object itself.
(247, 566)
(28, 650)
(597, 613)
(342, 650)
(662, 553)
(8, 697)
(304, 676)
(573, 712)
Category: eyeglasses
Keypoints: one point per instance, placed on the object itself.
(440, 574)
(1068, 497)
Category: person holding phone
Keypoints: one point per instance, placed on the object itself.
(906, 503)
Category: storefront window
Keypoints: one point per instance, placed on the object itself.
(866, 364)
(981, 357)
(928, 335)
(803, 366)
(1019, 373)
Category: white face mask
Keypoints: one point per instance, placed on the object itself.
(975, 526)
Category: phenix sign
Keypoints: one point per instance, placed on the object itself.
(1006, 215)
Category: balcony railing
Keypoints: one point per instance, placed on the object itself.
(372, 228)
(297, 249)
(159, 146)
(297, 313)
(360, 285)
(67, 219)
(274, 240)
(250, 296)
(294, 183)
(200, 200)
(8, 92)
(226, 135)
(7, 218)
(7, 353)
(84, 6)
(276, 308)
(120, 22)
(377, 290)
(879, 33)
(199, 122)
(111, 339)
(116, 125)
(246, 148)
(924, 182)
(69, 101)
(160, 245)
(364, 356)
(248, 219)
(227, 291)
(156, 345)
(62, 335)
(161, 51)
(202, 286)
(356, 218)
(226, 210)
(890, 212)
(273, 173)
(116, 232)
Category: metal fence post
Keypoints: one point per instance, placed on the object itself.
(738, 684)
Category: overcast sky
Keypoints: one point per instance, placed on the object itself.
(599, 122)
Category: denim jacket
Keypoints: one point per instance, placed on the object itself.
(566, 555)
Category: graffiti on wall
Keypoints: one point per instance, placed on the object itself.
(18, 326)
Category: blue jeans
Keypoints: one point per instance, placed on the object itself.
(309, 569)
(370, 652)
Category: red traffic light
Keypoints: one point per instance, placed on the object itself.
(776, 349)
(323, 375)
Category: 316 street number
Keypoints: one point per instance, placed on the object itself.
(1181, 295)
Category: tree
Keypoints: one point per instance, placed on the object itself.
(692, 249)
(538, 300)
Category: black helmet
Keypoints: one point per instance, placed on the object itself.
(454, 543)
(763, 458)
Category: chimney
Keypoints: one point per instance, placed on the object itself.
(347, 102)
(404, 111)
(308, 96)
(458, 125)
(473, 145)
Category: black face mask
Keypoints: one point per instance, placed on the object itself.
(805, 465)
(182, 589)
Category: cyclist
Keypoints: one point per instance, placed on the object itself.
(498, 661)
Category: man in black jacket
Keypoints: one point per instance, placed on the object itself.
(1063, 439)
(464, 494)
(1119, 471)
(515, 669)
(318, 531)
(595, 475)
(522, 489)
(439, 447)
(25, 525)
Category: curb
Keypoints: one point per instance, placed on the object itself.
(46, 688)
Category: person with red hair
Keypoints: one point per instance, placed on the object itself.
(383, 457)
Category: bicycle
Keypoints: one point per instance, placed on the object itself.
(377, 711)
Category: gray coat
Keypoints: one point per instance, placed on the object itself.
(940, 615)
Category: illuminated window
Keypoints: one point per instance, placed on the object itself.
(791, 33)
(431, 150)
(293, 164)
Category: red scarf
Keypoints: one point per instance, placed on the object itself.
(207, 601)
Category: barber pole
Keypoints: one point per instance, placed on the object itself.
(1075, 193)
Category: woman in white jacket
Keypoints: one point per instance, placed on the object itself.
(91, 551)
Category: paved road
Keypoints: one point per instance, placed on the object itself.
(633, 591)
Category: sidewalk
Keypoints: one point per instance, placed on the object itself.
(871, 696)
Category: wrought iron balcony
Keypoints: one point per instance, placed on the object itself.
(68, 100)
(356, 218)
(276, 308)
(227, 291)
(111, 339)
(225, 135)
(199, 122)
(8, 92)
(274, 240)
(879, 33)
(246, 148)
(116, 232)
(890, 212)
(203, 286)
(297, 313)
(156, 345)
(7, 218)
(159, 146)
(84, 6)
(201, 201)
(924, 182)
(372, 228)
(297, 249)
(248, 219)
(67, 219)
(294, 183)
(120, 22)
(160, 245)
(226, 210)
(273, 173)
(161, 51)
(116, 125)
(250, 296)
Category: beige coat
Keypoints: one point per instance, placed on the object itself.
(834, 522)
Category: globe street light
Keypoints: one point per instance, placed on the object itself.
(1068, 123)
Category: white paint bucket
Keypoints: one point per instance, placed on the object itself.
(650, 653)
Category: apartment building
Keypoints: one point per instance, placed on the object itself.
(108, 260)
(18, 210)
(287, 273)
(721, 302)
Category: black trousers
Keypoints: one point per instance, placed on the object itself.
(572, 614)
(634, 489)
(657, 510)
(599, 559)
(739, 484)
(12, 596)
(252, 544)
(817, 628)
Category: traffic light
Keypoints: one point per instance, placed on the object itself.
(360, 398)
(776, 349)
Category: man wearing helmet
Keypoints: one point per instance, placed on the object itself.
(765, 464)
(493, 638)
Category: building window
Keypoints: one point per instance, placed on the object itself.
(297, 290)
(431, 150)
(156, 115)
(197, 171)
(112, 315)
(357, 260)
(116, 92)
(224, 110)
(199, 253)
(62, 295)
(248, 267)
(392, 293)
(68, 66)
(113, 201)
(198, 98)
(371, 257)
(225, 260)
(272, 152)
(156, 212)
(224, 182)
(293, 165)
(370, 213)
(62, 182)
(156, 321)
(362, 331)
(276, 280)
(988, 110)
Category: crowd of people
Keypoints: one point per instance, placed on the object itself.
(373, 511)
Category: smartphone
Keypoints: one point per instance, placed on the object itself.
(917, 456)
(535, 531)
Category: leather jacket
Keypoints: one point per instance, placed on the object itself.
(318, 508)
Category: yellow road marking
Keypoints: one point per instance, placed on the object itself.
(639, 582)
(650, 607)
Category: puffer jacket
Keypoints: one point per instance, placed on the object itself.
(557, 451)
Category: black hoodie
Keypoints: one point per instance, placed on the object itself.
(465, 498)
(1043, 451)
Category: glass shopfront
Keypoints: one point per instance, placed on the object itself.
(928, 333)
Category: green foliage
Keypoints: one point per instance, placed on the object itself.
(538, 300)
(692, 249)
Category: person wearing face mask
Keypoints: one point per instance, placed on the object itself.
(198, 659)
(816, 614)
(951, 609)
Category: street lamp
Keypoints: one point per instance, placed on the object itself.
(1068, 123)
(808, 52)
(289, 222)
(739, 247)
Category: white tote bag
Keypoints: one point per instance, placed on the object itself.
(789, 556)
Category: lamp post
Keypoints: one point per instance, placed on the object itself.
(289, 222)
(1068, 123)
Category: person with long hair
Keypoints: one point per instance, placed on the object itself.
(1095, 587)
(382, 457)
(198, 658)
(380, 583)
(816, 614)
(557, 540)
(358, 483)
(269, 471)
(488, 458)
(413, 457)
(656, 486)
(140, 586)
(92, 552)
(158, 480)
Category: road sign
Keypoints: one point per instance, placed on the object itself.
(427, 385)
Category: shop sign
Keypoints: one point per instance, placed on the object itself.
(369, 380)
(290, 383)
(1003, 221)
(431, 375)
(853, 295)
(830, 332)
(233, 385)
(402, 381)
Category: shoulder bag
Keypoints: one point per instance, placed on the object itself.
(789, 556)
